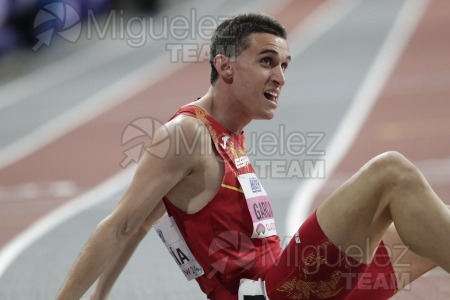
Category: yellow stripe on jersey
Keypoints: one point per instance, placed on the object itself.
(232, 188)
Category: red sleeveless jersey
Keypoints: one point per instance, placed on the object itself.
(230, 237)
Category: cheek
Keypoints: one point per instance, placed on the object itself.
(251, 79)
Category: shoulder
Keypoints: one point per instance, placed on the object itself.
(186, 129)
(185, 122)
(182, 138)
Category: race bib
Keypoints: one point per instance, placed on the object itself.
(258, 205)
(168, 231)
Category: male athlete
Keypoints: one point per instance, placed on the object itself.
(212, 196)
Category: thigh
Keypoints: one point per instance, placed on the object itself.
(354, 217)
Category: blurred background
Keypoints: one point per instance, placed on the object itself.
(84, 84)
(17, 17)
(19, 28)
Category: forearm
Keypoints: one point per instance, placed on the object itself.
(102, 247)
(112, 272)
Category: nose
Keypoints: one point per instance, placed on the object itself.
(278, 75)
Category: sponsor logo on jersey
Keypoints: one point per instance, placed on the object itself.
(225, 139)
(260, 229)
(241, 161)
(255, 185)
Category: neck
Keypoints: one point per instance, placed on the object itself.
(224, 109)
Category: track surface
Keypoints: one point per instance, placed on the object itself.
(62, 136)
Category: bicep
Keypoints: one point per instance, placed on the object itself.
(155, 176)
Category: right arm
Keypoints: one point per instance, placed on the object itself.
(153, 179)
(112, 272)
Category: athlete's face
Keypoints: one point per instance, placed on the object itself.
(258, 75)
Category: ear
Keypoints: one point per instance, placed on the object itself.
(224, 67)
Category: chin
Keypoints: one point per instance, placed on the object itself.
(267, 116)
(270, 114)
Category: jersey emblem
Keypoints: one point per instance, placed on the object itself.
(225, 139)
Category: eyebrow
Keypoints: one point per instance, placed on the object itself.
(265, 51)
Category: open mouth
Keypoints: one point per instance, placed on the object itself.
(271, 96)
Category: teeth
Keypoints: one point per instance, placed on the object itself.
(272, 93)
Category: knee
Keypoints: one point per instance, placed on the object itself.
(393, 170)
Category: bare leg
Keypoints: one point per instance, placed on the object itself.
(407, 265)
(388, 189)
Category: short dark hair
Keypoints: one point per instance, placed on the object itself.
(231, 37)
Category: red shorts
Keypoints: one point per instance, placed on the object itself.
(316, 269)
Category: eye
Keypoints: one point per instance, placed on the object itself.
(266, 61)
(284, 67)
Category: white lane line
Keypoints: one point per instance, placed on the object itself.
(63, 70)
(81, 62)
(391, 50)
(102, 192)
(28, 191)
(318, 23)
(116, 93)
